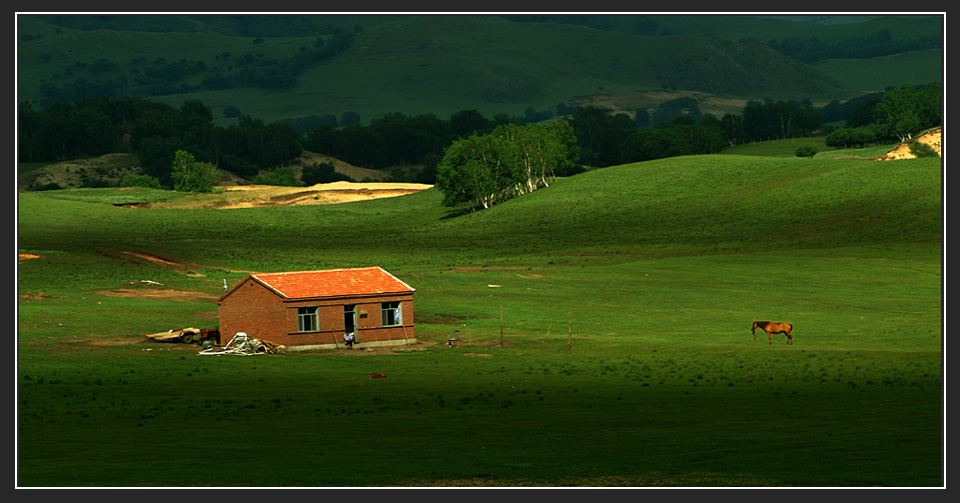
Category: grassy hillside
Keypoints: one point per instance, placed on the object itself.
(876, 74)
(677, 206)
(421, 64)
(626, 360)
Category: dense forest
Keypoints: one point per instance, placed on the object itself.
(92, 127)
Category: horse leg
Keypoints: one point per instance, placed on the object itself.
(789, 338)
(769, 338)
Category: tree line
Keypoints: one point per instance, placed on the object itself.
(92, 127)
(893, 116)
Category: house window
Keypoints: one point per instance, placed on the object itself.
(308, 319)
(390, 314)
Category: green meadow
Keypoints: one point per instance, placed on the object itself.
(623, 356)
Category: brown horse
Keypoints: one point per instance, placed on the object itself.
(772, 328)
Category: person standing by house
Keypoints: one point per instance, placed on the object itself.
(348, 339)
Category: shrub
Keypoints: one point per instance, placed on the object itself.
(191, 175)
(230, 112)
(323, 172)
(283, 176)
(806, 151)
(922, 150)
(140, 181)
(48, 186)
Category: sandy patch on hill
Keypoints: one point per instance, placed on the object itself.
(931, 138)
(109, 168)
(256, 196)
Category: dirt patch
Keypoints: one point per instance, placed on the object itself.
(373, 351)
(37, 296)
(181, 267)
(26, 256)
(257, 196)
(931, 138)
(168, 295)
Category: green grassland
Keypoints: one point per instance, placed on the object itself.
(435, 64)
(625, 358)
(877, 74)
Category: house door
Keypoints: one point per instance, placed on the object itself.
(350, 320)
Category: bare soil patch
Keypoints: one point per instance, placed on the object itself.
(181, 267)
(931, 138)
(257, 196)
(37, 296)
(166, 294)
(25, 256)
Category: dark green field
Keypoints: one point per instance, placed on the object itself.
(445, 64)
(626, 357)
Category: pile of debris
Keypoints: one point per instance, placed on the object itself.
(243, 344)
(187, 335)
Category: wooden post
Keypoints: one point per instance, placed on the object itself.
(501, 325)
(335, 343)
(569, 329)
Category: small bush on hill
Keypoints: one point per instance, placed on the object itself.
(140, 181)
(48, 186)
(192, 176)
(282, 176)
(922, 150)
(323, 172)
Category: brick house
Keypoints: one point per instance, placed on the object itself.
(314, 309)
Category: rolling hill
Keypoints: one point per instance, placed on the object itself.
(624, 295)
(431, 64)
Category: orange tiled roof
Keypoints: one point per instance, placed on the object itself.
(333, 282)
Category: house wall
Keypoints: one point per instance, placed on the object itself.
(369, 324)
(253, 309)
(264, 315)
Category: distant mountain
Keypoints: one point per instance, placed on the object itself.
(417, 64)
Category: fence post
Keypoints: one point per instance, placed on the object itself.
(501, 325)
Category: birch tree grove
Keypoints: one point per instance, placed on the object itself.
(482, 170)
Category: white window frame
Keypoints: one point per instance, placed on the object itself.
(311, 313)
(392, 310)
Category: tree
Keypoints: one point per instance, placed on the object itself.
(467, 122)
(192, 176)
(470, 172)
(483, 170)
(898, 112)
(600, 135)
